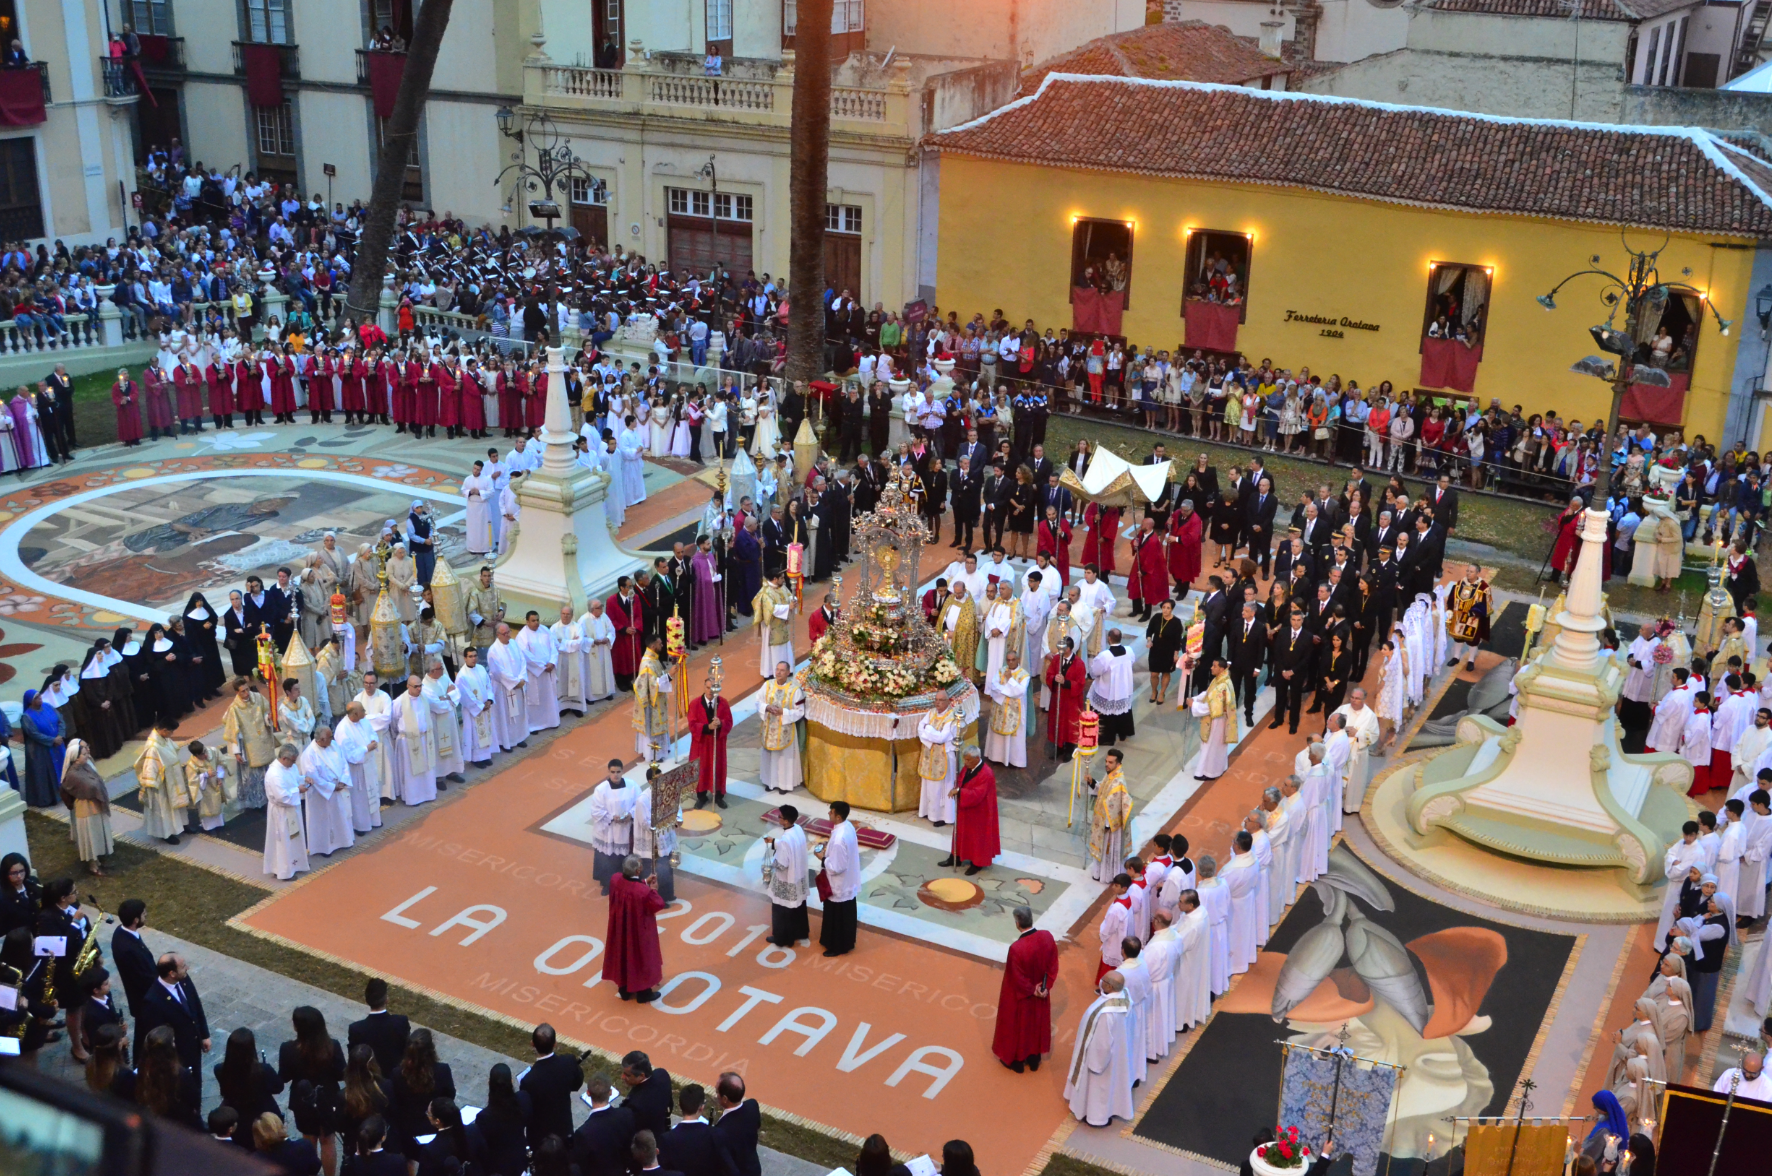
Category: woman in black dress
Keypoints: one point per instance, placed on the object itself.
(1225, 525)
(161, 1085)
(168, 693)
(366, 1093)
(1164, 637)
(504, 1122)
(420, 1079)
(1020, 522)
(1334, 662)
(313, 1065)
(454, 1141)
(1192, 491)
(246, 1083)
(202, 633)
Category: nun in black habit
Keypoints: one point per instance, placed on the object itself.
(201, 634)
(97, 714)
(169, 690)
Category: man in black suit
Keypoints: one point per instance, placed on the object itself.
(1215, 611)
(600, 1146)
(741, 1121)
(1384, 536)
(964, 489)
(1444, 499)
(1294, 651)
(549, 1082)
(972, 451)
(383, 1032)
(1317, 536)
(1248, 642)
(1159, 507)
(1317, 620)
(1292, 554)
(643, 1156)
(1040, 466)
(649, 1093)
(172, 1000)
(1430, 541)
(1055, 496)
(280, 606)
(131, 957)
(934, 502)
(693, 1147)
(775, 548)
(1258, 525)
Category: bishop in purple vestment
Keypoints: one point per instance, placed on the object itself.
(708, 623)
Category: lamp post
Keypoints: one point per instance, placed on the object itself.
(1638, 289)
(548, 179)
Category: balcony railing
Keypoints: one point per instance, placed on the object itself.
(289, 58)
(364, 57)
(119, 78)
(687, 95)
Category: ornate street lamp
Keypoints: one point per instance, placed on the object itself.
(550, 177)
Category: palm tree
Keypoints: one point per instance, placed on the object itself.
(428, 27)
(809, 149)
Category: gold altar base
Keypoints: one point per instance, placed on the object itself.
(859, 769)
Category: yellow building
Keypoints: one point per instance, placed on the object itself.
(1351, 229)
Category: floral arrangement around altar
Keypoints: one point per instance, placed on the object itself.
(880, 679)
(1285, 1151)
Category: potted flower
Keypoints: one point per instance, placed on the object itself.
(1285, 1154)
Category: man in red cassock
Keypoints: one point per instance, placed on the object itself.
(448, 398)
(1065, 679)
(710, 722)
(473, 402)
(821, 620)
(1103, 527)
(627, 612)
(975, 826)
(1148, 584)
(188, 384)
(424, 404)
(631, 957)
(1186, 533)
(220, 378)
(1024, 1006)
(322, 367)
(126, 396)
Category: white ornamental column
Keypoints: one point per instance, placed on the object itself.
(1577, 647)
(564, 552)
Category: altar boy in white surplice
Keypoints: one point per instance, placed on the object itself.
(1098, 1085)
(541, 660)
(1006, 738)
(569, 674)
(358, 742)
(510, 685)
(599, 639)
(445, 702)
(328, 801)
(473, 688)
(415, 764)
(286, 846)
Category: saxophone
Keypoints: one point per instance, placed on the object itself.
(89, 950)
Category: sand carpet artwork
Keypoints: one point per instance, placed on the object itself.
(1458, 1000)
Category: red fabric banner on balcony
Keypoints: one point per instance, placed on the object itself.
(1447, 363)
(155, 47)
(1211, 325)
(1095, 313)
(385, 70)
(263, 66)
(141, 82)
(21, 97)
(1659, 406)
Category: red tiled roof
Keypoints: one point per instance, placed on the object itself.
(1674, 178)
(1628, 11)
(1189, 50)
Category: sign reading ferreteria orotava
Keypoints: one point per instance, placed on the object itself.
(1332, 326)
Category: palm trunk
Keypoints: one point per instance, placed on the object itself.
(809, 150)
(371, 263)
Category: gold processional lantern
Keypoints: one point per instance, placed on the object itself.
(447, 598)
(386, 653)
(298, 663)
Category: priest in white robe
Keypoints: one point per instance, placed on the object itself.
(612, 824)
(1750, 900)
(939, 733)
(1000, 627)
(1338, 750)
(1036, 613)
(327, 804)
(569, 671)
(481, 497)
(1755, 740)
(1255, 824)
(510, 512)
(286, 844)
(1115, 925)
(541, 660)
(1671, 714)
(1193, 966)
(1159, 960)
(358, 744)
(473, 687)
(1242, 877)
(445, 702)
(782, 707)
(1313, 857)
(1215, 897)
(1006, 735)
(1111, 690)
(599, 638)
(378, 767)
(631, 449)
(1138, 996)
(1098, 1085)
(509, 671)
(1362, 732)
(415, 760)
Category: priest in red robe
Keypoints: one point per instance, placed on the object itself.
(1103, 530)
(448, 398)
(975, 824)
(631, 957)
(473, 401)
(188, 385)
(1065, 679)
(822, 618)
(220, 378)
(126, 397)
(710, 722)
(1054, 538)
(627, 612)
(1024, 1006)
(1148, 583)
(1186, 534)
